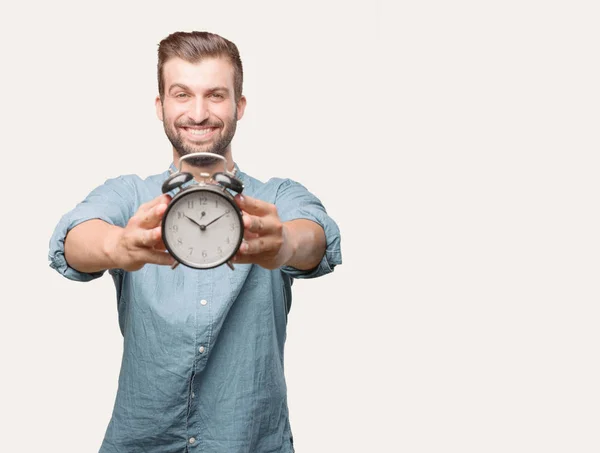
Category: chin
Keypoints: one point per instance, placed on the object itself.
(190, 148)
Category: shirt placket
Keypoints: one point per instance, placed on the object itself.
(202, 344)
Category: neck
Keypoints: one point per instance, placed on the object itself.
(196, 171)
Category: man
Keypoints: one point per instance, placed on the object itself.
(202, 366)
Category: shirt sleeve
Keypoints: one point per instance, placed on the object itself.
(294, 202)
(112, 202)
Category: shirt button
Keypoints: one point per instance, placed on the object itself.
(203, 302)
(193, 395)
(201, 349)
(192, 440)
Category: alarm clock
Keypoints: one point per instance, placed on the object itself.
(202, 227)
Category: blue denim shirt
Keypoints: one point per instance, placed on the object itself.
(202, 362)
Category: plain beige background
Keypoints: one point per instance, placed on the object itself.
(456, 144)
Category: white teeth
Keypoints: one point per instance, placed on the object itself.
(199, 131)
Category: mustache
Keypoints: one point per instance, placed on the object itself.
(205, 123)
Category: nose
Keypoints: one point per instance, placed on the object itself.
(199, 111)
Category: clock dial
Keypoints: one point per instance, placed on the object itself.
(202, 228)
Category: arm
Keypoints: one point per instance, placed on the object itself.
(95, 245)
(308, 239)
(271, 243)
(86, 246)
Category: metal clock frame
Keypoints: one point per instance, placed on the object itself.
(200, 187)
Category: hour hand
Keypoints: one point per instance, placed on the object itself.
(202, 227)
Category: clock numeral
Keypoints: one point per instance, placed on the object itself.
(227, 240)
(220, 251)
(175, 227)
(216, 203)
(179, 241)
(204, 253)
(179, 215)
(190, 251)
(203, 200)
(232, 226)
(191, 204)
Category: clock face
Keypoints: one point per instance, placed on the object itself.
(202, 228)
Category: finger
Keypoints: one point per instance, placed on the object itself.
(239, 258)
(156, 257)
(161, 199)
(253, 224)
(260, 225)
(254, 206)
(153, 217)
(148, 238)
(160, 245)
(249, 235)
(256, 246)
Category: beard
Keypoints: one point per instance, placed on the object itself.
(219, 146)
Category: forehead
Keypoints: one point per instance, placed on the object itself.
(205, 74)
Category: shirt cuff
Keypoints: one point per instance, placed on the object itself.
(56, 255)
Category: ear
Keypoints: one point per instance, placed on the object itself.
(159, 110)
(241, 106)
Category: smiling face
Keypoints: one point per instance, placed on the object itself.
(198, 110)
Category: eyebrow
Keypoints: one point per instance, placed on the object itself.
(186, 88)
(179, 85)
(218, 88)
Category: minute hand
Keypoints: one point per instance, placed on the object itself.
(214, 220)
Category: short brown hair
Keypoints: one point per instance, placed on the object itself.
(193, 47)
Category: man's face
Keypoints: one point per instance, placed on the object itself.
(198, 110)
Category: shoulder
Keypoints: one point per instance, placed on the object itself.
(274, 190)
(133, 187)
(137, 182)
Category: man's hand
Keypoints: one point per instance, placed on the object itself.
(140, 242)
(266, 239)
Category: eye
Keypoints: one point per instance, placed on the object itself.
(181, 95)
(217, 96)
